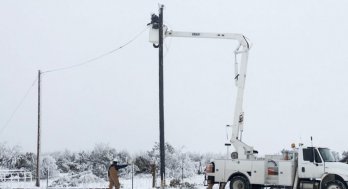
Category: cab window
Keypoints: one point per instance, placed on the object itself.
(327, 155)
(308, 154)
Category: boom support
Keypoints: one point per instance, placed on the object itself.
(244, 151)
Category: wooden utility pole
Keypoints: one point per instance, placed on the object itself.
(38, 132)
(161, 98)
(157, 25)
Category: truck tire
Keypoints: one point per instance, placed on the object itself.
(335, 184)
(240, 182)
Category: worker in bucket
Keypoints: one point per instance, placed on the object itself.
(113, 174)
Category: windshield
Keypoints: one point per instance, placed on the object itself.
(326, 155)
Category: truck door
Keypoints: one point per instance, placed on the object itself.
(311, 165)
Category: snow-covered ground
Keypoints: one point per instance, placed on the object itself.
(139, 182)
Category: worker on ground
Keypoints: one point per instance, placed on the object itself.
(113, 174)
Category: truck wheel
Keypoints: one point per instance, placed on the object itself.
(336, 184)
(239, 182)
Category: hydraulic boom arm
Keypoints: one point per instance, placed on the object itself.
(244, 151)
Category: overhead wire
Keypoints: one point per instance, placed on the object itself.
(99, 56)
(66, 68)
(17, 107)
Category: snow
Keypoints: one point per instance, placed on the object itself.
(88, 169)
(139, 182)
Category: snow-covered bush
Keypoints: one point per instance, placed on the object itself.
(178, 163)
(101, 157)
(68, 162)
(176, 183)
(98, 160)
(142, 164)
(26, 161)
(71, 180)
(90, 178)
(48, 167)
(9, 156)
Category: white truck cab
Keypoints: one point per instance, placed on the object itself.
(318, 164)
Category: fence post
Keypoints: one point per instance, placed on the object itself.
(153, 171)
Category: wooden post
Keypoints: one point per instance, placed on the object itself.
(153, 172)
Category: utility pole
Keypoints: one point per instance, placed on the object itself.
(157, 40)
(38, 132)
(161, 99)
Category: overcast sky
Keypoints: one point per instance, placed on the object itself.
(296, 87)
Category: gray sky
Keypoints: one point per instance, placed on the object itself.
(296, 85)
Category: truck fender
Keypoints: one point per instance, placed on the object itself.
(327, 177)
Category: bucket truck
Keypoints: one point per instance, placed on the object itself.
(300, 167)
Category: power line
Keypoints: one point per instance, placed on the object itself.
(66, 68)
(97, 57)
(17, 107)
